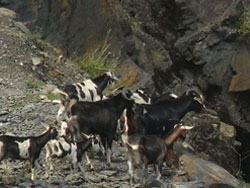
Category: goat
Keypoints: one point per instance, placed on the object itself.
(159, 118)
(99, 117)
(89, 90)
(25, 148)
(63, 148)
(150, 149)
(140, 97)
(65, 143)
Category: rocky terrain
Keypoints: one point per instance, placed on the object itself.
(28, 64)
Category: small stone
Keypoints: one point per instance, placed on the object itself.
(108, 172)
(36, 61)
(9, 180)
(4, 112)
(227, 130)
(93, 178)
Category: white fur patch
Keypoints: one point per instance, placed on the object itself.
(86, 88)
(138, 99)
(64, 126)
(173, 95)
(134, 146)
(24, 148)
(109, 74)
(1, 145)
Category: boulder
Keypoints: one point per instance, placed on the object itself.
(208, 172)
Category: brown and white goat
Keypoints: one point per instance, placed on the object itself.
(25, 148)
(150, 149)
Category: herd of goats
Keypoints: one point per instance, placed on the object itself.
(147, 126)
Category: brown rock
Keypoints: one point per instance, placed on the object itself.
(240, 82)
(242, 63)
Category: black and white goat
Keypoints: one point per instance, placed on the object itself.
(98, 118)
(62, 148)
(25, 148)
(89, 90)
(150, 149)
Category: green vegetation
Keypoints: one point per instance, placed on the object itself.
(18, 104)
(51, 96)
(32, 84)
(97, 61)
(36, 38)
(244, 28)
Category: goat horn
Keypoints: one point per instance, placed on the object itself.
(187, 127)
(124, 90)
(86, 136)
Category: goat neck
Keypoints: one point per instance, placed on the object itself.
(42, 139)
(175, 133)
(102, 81)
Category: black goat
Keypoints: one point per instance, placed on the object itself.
(150, 149)
(99, 117)
(25, 148)
(159, 118)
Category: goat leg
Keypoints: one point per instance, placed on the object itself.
(158, 171)
(130, 169)
(170, 154)
(108, 156)
(88, 162)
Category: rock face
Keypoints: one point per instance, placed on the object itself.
(170, 45)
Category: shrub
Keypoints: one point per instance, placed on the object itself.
(97, 61)
(244, 28)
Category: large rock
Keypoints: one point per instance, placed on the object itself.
(210, 173)
(241, 81)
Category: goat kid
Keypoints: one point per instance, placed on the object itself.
(65, 139)
(62, 148)
(25, 148)
(150, 149)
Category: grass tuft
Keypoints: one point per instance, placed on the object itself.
(98, 61)
(32, 84)
(244, 28)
